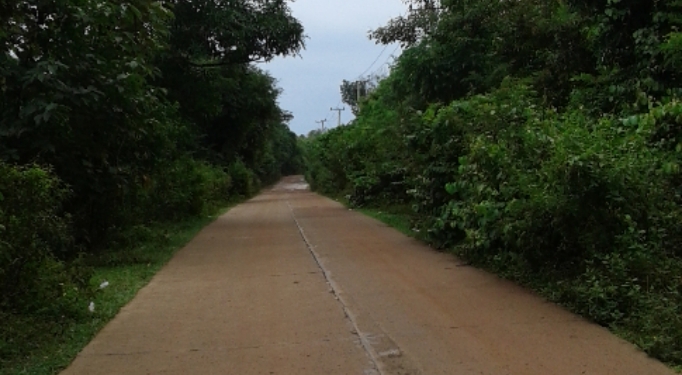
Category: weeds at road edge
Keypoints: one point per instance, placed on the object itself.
(126, 270)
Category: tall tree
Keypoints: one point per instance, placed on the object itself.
(209, 70)
(75, 94)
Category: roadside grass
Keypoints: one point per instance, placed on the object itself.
(128, 268)
(398, 217)
(392, 216)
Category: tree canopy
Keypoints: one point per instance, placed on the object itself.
(116, 115)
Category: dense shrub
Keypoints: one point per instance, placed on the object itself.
(585, 209)
(324, 170)
(34, 237)
(186, 188)
(568, 199)
(362, 161)
(244, 181)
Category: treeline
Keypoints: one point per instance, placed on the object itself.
(116, 115)
(539, 139)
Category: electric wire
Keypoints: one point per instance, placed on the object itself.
(374, 62)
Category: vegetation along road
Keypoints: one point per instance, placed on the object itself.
(538, 140)
(294, 283)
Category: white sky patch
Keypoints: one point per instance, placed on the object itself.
(337, 49)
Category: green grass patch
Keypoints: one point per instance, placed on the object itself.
(46, 346)
(398, 217)
(395, 217)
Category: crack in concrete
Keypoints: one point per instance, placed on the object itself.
(335, 290)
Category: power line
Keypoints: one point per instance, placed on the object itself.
(375, 61)
(391, 55)
(378, 57)
(386, 63)
(364, 81)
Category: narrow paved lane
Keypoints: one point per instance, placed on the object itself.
(293, 283)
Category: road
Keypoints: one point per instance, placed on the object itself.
(294, 283)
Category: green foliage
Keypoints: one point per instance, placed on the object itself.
(351, 159)
(584, 209)
(32, 278)
(538, 139)
(185, 187)
(243, 179)
(351, 92)
(34, 345)
(144, 113)
(282, 155)
(410, 29)
(209, 33)
(33, 235)
(76, 97)
(84, 89)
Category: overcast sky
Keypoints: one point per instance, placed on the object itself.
(337, 48)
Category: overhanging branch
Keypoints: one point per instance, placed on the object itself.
(222, 63)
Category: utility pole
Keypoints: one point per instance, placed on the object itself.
(357, 86)
(337, 109)
(322, 122)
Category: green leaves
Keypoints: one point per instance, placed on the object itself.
(81, 92)
(540, 139)
(209, 34)
(107, 98)
(30, 199)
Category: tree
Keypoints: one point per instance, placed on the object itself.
(352, 92)
(76, 96)
(110, 92)
(411, 29)
(212, 33)
(208, 70)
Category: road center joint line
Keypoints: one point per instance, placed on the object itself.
(336, 290)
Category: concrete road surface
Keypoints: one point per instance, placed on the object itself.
(293, 283)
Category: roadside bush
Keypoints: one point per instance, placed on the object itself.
(573, 187)
(578, 205)
(325, 171)
(373, 157)
(34, 279)
(244, 180)
(440, 140)
(364, 161)
(184, 188)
